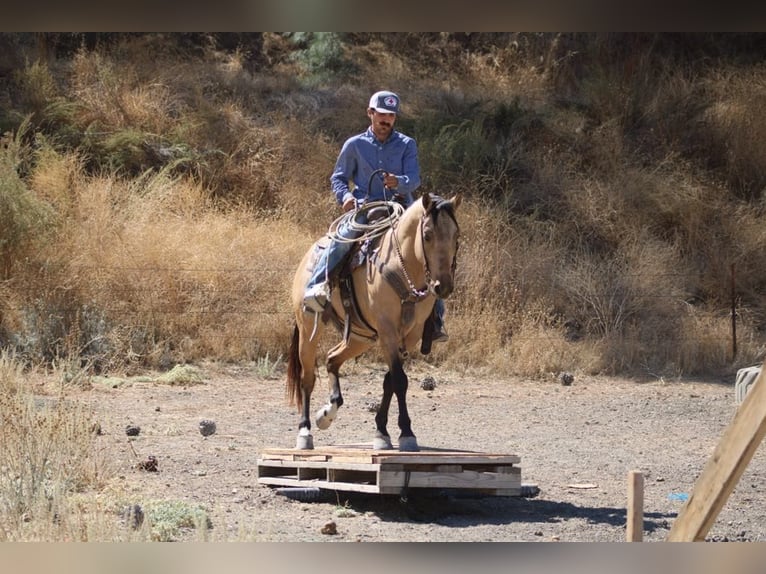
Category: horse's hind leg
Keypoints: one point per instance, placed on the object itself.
(307, 353)
(338, 355)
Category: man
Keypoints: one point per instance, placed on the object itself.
(380, 147)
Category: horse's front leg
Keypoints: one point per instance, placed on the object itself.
(382, 440)
(399, 382)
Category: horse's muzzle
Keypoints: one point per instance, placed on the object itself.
(442, 290)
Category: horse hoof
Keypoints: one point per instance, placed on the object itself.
(381, 442)
(408, 444)
(304, 442)
(322, 419)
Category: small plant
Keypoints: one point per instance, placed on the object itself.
(182, 375)
(266, 368)
(169, 518)
(345, 511)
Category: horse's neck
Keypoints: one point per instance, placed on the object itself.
(407, 226)
(403, 241)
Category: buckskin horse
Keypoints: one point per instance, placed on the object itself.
(386, 301)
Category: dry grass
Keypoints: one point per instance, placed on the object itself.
(49, 461)
(186, 188)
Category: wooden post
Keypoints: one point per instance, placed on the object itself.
(725, 467)
(635, 526)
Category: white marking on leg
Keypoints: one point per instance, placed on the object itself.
(380, 442)
(304, 441)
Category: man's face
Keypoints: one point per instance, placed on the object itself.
(382, 124)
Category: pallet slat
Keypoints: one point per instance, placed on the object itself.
(464, 479)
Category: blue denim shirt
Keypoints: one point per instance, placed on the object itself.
(362, 154)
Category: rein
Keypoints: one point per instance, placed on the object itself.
(417, 294)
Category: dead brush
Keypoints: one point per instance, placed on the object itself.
(47, 455)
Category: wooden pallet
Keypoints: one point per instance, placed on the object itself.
(359, 468)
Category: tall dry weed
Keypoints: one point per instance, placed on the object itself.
(732, 129)
(47, 456)
(173, 278)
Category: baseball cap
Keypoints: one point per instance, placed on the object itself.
(385, 102)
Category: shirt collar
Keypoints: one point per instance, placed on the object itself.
(375, 139)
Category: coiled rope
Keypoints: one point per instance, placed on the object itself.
(370, 230)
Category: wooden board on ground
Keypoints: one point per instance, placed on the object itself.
(359, 468)
(724, 468)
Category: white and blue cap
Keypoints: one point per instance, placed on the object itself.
(385, 102)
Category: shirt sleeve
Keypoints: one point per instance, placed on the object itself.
(409, 180)
(345, 168)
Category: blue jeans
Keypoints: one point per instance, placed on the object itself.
(337, 250)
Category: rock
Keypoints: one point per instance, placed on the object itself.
(372, 406)
(428, 384)
(132, 430)
(566, 379)
(330, 528)
(150, 464)
(206, 427)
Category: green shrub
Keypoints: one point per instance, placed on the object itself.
(24, 219)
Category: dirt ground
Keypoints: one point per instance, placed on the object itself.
(577, 443)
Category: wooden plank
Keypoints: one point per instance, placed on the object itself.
(443, 458)
(279, 481)
(291, 456)
(724, 468)
(315, 464)
(465, 479)
(635, 527)
(440, 468)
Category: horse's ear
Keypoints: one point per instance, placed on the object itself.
(455, 201)
(426, 200)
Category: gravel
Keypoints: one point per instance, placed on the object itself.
(577, 444)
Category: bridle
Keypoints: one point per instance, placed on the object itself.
(413, 293)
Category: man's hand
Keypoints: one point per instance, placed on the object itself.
(349, 204)
(390, 181)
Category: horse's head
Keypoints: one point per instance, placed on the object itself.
(440, 233)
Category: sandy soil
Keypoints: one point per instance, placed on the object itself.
(577, 443)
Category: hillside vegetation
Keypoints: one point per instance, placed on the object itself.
(158, 190)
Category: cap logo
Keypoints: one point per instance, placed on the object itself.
(389, 101)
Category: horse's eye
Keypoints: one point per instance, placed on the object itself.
(428, 235)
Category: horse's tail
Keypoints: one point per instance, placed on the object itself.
(294, 371)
